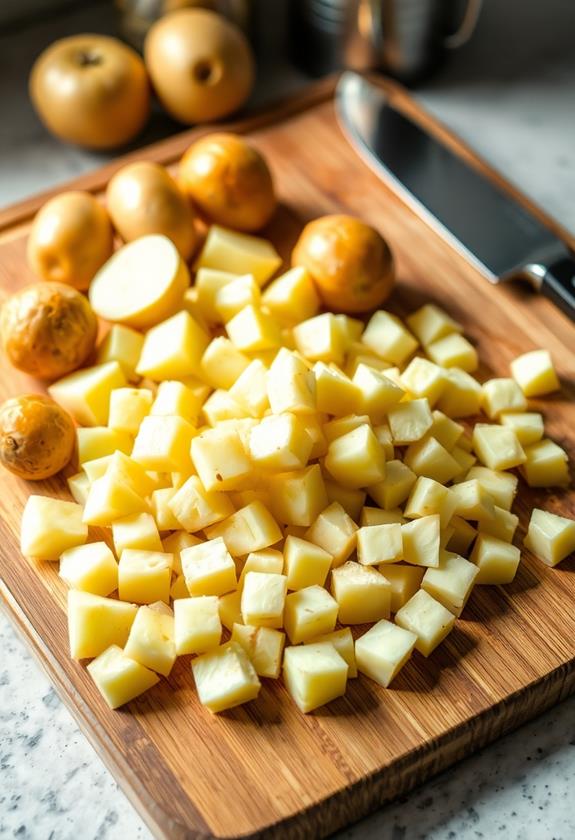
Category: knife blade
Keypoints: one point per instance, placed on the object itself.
(494, 231)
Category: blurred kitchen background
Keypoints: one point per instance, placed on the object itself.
(508, 89)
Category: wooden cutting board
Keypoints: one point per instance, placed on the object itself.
(265, 769)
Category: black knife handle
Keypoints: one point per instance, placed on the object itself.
(559, 284)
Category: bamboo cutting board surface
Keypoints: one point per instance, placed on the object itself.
(264, 769)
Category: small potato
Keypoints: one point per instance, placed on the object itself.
(229, 181)
(349, 261)
(70, 239)
(48, 329)
(37, 437)
(143, 198)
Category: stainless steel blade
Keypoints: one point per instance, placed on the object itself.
(480, 220)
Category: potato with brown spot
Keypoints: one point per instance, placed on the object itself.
(37, 437)
(48, 329)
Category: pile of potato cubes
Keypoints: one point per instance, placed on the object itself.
(279, 472)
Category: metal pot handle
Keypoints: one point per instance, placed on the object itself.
(466, 27)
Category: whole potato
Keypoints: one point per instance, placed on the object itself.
(70, 239)
(48, 329)
(143, 198)
(37, 437)
(349, 261)
(229, 181)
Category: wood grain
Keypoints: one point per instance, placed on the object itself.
(265, 770)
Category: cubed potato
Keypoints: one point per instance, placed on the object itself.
(160, 502)
(139, 530)
(90, 568)
(383, 651)
(335, 532)
(445, 430)
(86, 393)
(252, 330)
(465, 460)
(314, 675)
(356, 459)
(178, 589)
(228, 250)
(453, 351)
(97, 468)
(151, 641)
(404, 582)
(501, 395)
(430, 323)
(118, 678)
(428, 619)
(220, 459)
(503, 525)
(201, 298)
(250, 389)
(351, 329)
(358, 354)
(292, 297)
(96, 442)
(79, 487)
(429, 458)
(225, 677)
(377, 516)
(378, 393)
(290, 384)
(362, 593)
(472, 500)
(528, 426)
(306, 564)
(234, 296)
(263, 599)
(124, 345)
(388, 338)
(320, 339)
(496, 560)
(279, 443)
(269, 561)
(424, 379)
(379, 544)
(197, 624)
(264, 647)
(421, 539)
(395, 487)
(335, 393)
(383, 434)
(176, 398)
(230, 609)
(298, 497)
(209, 568)
(163, 443)
(241, 498)
(175, 543)
(220, 406)
(111, 497)
(550, 537)
(173, 349)
(428, 496)
(51, 526)
(309, 612)
(546, 465)
(410, 421)
(343, 642)
(352, 500)
(222, 363)
(95, 623)
(124, 467)
(462, 394)
(128, 407)
(249, 529)
(463, 534)
(497, 447)
(535, 374)
(451, 582)
(144, 576)
(501, 486)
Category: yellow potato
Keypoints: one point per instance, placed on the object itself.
(37, 436)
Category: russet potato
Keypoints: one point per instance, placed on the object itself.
(37, 436)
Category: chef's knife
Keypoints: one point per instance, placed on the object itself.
(502, 238)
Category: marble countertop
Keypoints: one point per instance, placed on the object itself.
(511, 94)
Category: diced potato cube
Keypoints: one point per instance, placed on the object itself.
(252, 330)
(144, 576)
(429, 458)
(95, 623)
(430, 323)
(306, 564)
(451, 582)
(383, 651)
(320, 339)
(228, 250)
(445, 430)
(162, 512)
(264, 647)
(111, 497)
(379, 544)
(290, 384)
(546, 465)
(423, 379)
(462, 394)
(50, 526)
(404, 582)
(314, 675)
(178, 589)
(503, 525)
(86, 393)
(550, 537)
(175, 398)
(362, 593)
(118, 678)
(351, 500)
(79, 487)
(128, 407)
(343, 642)
(225, 677)
(280, 442)
(220, 459)
(309, 612)
(421, 539)
(528, 426)
(151, 641)
(535, 374)
(500, 395)
(343, 425)
(501, 486)
(250, 389)
(138, 530)
(497, 447)
(220, 406)
(388, 338)
(358, 354)
(356, 459)
(428, 496)
(234, 296)
(197, 624)
(95, 442)
(472, 500)
(335, 393)
(269, 560)
(173, 349)
(378, 393)
(163, 443)
(395, 487)
(351, 329)
(222, 363)
(207, 284)
(410, 421)
(298, 497)
(453, 351)
(209, 568)
(292, 297)
(263, 599)
(230, 609)
(90, 568)
(377, 516)
(462, 535)
(175, 543)
(465, 460)
(496, 560)
(427, 618)
(383, 434)
(124, 345)
(335, 532)
(249, 529)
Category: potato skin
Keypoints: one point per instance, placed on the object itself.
(48, 329)
(229, 181)
(349, 261)
(37, 437)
